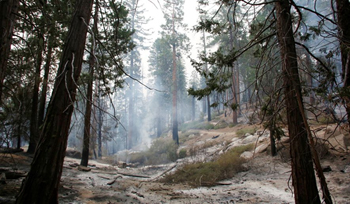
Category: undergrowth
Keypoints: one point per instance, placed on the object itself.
(162, 150)
(243, 131)
(196, 125)
(209, 173)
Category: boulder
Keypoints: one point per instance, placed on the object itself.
(247, 155)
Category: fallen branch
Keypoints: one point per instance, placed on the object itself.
(171, 168)
(103, 177)
(133, 175)
(114, 180)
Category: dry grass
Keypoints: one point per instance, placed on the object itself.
(243, 131)
(209, 173)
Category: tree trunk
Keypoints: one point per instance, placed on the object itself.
(174, 80)
(88, 108)
(343, 14)
(131, 105)
(234, 84)
(207, 103)
(42, 103)
(99, 130)
(8, 11)
(42, 183)
(303, 177)
(174, 111)
(272, 138)
(193, 115)
(34, 128)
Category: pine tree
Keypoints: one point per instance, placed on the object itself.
(173, 13)
(42, 182)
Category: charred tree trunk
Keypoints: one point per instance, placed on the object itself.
(343, 15)
(42, 183)
(8, 11)
(88, 108)
(303, 177)
(42, 102)
(34, 128)
(272, 128)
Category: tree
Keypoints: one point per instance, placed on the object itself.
(133, 67)
(301, 146)
(343, 16)
(178, 41)
(42, 183)
(89, 92)
(303, 177)
(8, 12)
(160, 61)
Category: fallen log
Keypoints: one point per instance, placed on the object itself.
(12, 174)
(10, 150)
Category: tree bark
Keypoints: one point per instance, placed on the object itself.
(303, 177)
(42, 182)
(8, 11)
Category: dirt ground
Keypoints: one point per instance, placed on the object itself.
(267, 179)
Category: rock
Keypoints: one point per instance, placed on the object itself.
(121, 164)
(248, 134)
(73, 153)
(347, 169)
(74, 165)
(84, 168)
(261, 148)
(247, 155)
(249, 139)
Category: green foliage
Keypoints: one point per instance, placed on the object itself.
(243, 131)
(162, 151)
(196, 125)
(185, 136)
(234, 106)
(221, 124)
(207, 174)
(182, 153)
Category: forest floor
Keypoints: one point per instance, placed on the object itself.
(266, 179)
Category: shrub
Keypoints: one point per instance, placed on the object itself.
(243, 131)
(208, 173)
(196, 125)
(185, 136)
(182, 153)
(162, 150)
